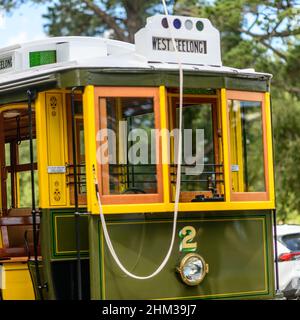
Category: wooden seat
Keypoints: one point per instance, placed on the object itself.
(22, 212)
(13, 231)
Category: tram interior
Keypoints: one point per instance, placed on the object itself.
(16, 196)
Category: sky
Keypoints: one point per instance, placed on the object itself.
(23, 24)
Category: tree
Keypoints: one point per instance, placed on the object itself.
(120, 19)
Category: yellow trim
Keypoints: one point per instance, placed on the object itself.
(270, 147)
(166, 206)
(41, 145)
(164, 142)
(236, 149)
(190, 221)
(90, 147)
(56, 147)
(193, 206)
(226, 166)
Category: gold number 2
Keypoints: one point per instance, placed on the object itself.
(187, 234)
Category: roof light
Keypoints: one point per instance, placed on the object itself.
(199, 25)
(165, 23)
(177, 23)
(188, 24)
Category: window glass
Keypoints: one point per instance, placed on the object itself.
(25, 193)
(7, 154)
(197, 116)
(131, 146)
(8, 190)
(24, 151)
(202, 169)
(246, 143)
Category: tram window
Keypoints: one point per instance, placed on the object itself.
(124, 175)
(23, 151)
(247, 146)
(80, 149)
(129, 161)
(198, 116)
(18, 177)
(15, 163)
(24, 194)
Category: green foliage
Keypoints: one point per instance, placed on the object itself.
(265, 35)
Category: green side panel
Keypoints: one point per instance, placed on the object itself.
(95, 272)
(46, 245)
(246, 84)
(19, 94)
(57, 232)
(64, 235)
(13, 97)
(237, 247)
(32, 270)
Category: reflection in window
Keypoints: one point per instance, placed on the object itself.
(18, 175)
(198, 116)
(202, 169)
(131, 147)
(246, 143)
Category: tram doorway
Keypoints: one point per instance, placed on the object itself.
(16, 189)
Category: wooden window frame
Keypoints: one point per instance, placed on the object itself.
(255, 97)
(12, 169)
(187, 196)
(103, 169)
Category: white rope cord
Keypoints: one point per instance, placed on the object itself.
(178, 181)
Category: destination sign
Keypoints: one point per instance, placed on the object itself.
(197, 41)
(183, 45)
(6, 63)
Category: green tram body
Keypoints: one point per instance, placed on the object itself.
(234, 226)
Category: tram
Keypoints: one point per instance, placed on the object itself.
(108, 148)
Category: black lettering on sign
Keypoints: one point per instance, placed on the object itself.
(183, 45)
(6, 63)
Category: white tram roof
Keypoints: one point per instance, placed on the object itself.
(153, 50)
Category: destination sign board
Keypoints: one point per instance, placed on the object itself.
(197, 41)
(182, 45)
(6, 63)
